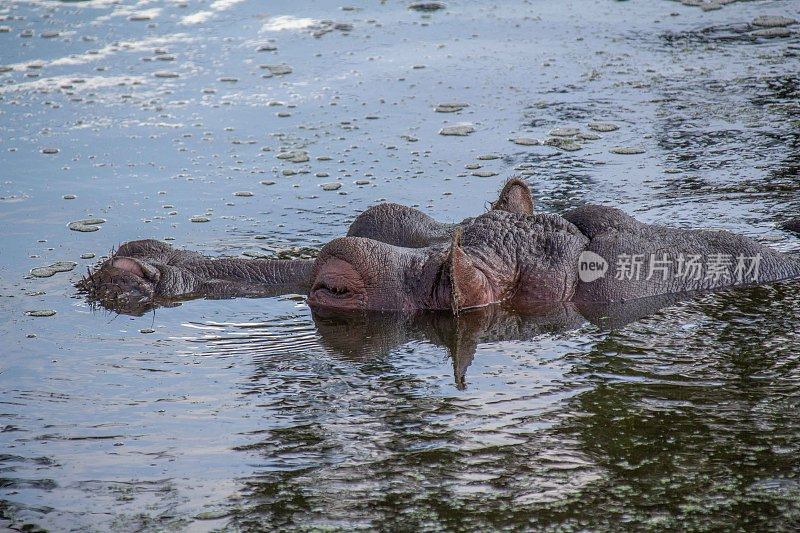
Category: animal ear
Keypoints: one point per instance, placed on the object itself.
(468, 285)
(515, 198)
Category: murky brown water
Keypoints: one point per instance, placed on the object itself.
(256, 414)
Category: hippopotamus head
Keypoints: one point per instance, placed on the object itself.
(393, 258)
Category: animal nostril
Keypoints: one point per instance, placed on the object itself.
(332, 288)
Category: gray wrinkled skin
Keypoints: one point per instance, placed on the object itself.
(398, 258)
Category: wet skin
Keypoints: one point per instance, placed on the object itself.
(397, 258)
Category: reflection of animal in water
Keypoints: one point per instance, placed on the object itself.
(367, 334)
(398, 258)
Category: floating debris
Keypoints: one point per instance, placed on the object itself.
(50, 270)
(603, 127)
(460, 130)
(565, 132)
(41, 312)
(278, 70)
(773, 21)
(427, 6)
(255, 254)
(568, 145)
(771, 33)
(526, 141)
(294, 156)
(627, 150)
(86, 225)
(451, 107)
(140, 17)
(327, 26)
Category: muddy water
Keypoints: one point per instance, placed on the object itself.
(256, 414)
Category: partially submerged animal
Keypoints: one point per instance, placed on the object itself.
(398, 258)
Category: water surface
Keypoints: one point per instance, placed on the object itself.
(257, 414)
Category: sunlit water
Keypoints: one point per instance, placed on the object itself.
(254, 414)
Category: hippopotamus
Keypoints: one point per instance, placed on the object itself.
(397, 258)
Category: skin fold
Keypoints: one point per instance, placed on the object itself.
(400, 259)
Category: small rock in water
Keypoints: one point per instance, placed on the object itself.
(588, 136)
(451, 107)
(773, 21)
(165, 74)
(86, 225)
(50, 151)
(88, 255)
(362, 182)
(603, 126)
(266, 48)
(267, 182)
(333, 186)
(243, 194)
(472, 166)
(199, 219)
(69, 197)
(460, 130)
(427, 6)
(565, 132)
(526, 141)
(50, 270)
(562, 144)
(627, 150)
(41, 312)
(488, 157)
(147, 330)
(484, 173)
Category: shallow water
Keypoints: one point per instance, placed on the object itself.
(257, 414)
